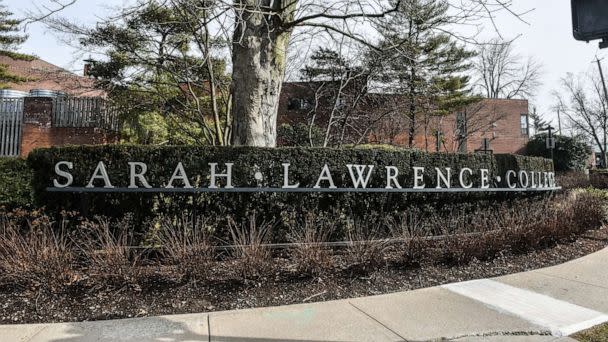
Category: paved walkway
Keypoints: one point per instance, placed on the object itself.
(542, 305)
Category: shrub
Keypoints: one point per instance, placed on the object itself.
(411, 230)
(299, 135)
(36, 253)
(571, 153)
(250, 250)
(309, 255)
(15, 180)
(366, 245)
(37, 257)
(573, 180)
(185, 244)
(106, 248)
(599, 179)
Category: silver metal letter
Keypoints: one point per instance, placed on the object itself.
(442, 178)
(286, 178)
(139, 176)
(100, 173)
(325, 175)
(419, 177)
(485, 178)
(391, 177)
(524, 175)
(68, 176)
(359, 180)
(214, 176)
(509, 176)
(461, 178)
(179, 174)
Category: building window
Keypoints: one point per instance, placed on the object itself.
(524, 125)
(298, 104)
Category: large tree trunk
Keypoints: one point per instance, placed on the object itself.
(258, 58)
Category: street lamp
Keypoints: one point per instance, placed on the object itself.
(550, 141)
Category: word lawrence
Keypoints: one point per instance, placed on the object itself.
(443, 179)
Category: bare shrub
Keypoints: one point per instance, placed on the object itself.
(251, 254)
(105, 246)
(588, 210)
(599, 179)
(309, 255)
(186, 246)
(573, 180)
(411, 231)
(37, 257)
(366, 245)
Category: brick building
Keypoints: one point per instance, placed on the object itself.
(497, 125)
(53, 107)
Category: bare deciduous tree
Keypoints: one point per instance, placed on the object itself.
(504, 74)
(259, 33)
(583, 102)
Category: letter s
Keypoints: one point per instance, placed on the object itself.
(68, 176)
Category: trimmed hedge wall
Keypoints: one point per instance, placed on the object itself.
(15, 180)
(306, 166)
(518, 163)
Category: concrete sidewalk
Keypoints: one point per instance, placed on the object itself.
(542, 305)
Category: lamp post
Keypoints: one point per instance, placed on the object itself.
(550, 141)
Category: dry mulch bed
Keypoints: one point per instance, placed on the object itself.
(85, 304)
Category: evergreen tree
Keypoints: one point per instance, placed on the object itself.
(10, 40)
(538, 121)
(326, 65)
(422, 63)
(162, 71)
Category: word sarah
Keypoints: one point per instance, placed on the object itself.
(360, 176)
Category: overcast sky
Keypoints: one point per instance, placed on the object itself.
(548, 38)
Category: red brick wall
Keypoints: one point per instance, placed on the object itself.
(38, 131)
(35, 136)
(495, 119)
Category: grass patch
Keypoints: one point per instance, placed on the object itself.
(597, 334)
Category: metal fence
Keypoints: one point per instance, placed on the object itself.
(11, 119)
(84, 112)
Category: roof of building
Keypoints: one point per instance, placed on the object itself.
(47, 76)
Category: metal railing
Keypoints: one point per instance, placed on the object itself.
(94, 112)
(11, 119)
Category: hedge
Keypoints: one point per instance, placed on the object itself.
(15, 180)
(570, 154)
(306, 165)
(518, 163)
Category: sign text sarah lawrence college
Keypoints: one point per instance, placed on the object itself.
(359, 179)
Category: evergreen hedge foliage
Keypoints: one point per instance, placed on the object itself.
(15, 180)
(571, 153)
(306, 166)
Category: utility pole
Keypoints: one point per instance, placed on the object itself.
(551, 142)
(559, 121)
(604, 156)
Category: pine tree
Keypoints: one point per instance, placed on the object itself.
(538, 121)
(10, 40)
(422, 63)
